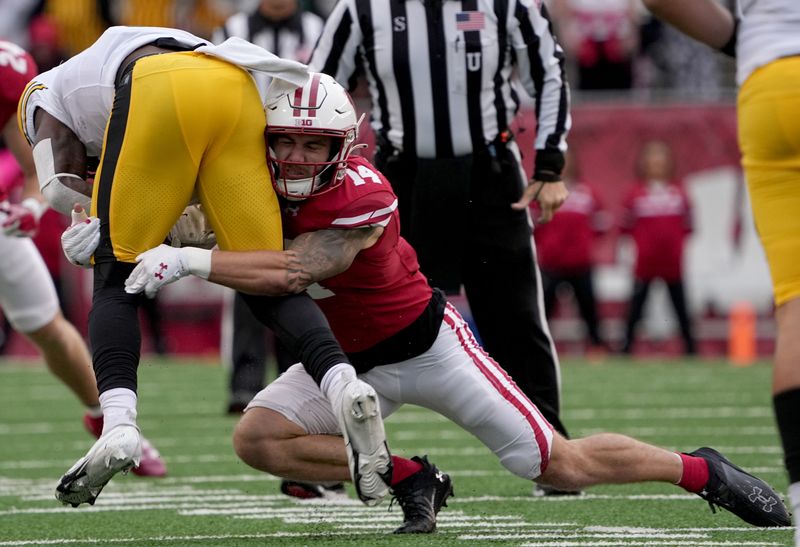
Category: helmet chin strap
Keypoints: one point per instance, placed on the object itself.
(300, 189)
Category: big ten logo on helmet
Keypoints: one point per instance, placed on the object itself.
(304, 122)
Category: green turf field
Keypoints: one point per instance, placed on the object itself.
(210, 498)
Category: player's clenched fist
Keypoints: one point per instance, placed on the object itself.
(80, 240)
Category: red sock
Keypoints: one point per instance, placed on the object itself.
(403, 468)
(695, 473)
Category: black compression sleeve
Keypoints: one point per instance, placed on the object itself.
(302, 328)
(787, 408)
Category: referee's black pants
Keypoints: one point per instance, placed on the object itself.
(250, 347)
(457, 215)
(582, 288)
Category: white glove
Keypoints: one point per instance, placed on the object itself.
(80, 240)
(156, 268)
(163, 265)
(193, 229)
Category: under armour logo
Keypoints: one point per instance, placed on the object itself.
(289, 210)
(767, 503)
(161, 267)
(439, 476)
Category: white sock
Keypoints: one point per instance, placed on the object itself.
(794, 496)
(119, 407)
(334, 381)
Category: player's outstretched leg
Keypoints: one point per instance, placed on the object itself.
(151, 463)
(421, 496)
(368, 454)
(118, 450)
(746, 496)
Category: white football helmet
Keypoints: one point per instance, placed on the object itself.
(320, 107)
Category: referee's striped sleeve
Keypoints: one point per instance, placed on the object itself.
(237, 24)
(336, 52)
(540, 60)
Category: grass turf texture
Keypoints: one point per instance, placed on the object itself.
(210, 498)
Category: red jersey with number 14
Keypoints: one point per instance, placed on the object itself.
(383, 291)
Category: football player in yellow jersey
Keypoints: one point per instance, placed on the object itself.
(764, 36)
(173, 119)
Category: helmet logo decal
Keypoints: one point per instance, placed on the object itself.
(313, 90)
(321, 110)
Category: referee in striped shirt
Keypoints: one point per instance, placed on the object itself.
(439, 74)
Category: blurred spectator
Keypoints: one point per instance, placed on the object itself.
(657, 215)
(45, 43)
(199, 17)
(670, 59)
(78, 23)
(321, 8)
(284, 28)
(279, 26)
(16, 14)
(601, 37)
(565, 247)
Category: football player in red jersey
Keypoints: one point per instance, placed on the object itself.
(27, 295)
(403, 338)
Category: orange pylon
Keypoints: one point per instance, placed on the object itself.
(742, 334)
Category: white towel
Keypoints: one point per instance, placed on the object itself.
(255, 58)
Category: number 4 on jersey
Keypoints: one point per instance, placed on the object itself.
(363, 173)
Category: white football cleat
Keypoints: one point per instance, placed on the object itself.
(365, 441)
(118, 450)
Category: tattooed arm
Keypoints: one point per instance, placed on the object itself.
(311, 257)
(326, 253)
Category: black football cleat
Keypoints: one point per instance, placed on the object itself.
(741, 493)
(421, 496)
(310, 490)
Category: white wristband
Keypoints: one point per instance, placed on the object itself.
(198, 261)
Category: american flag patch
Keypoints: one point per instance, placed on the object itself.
(470, 20)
